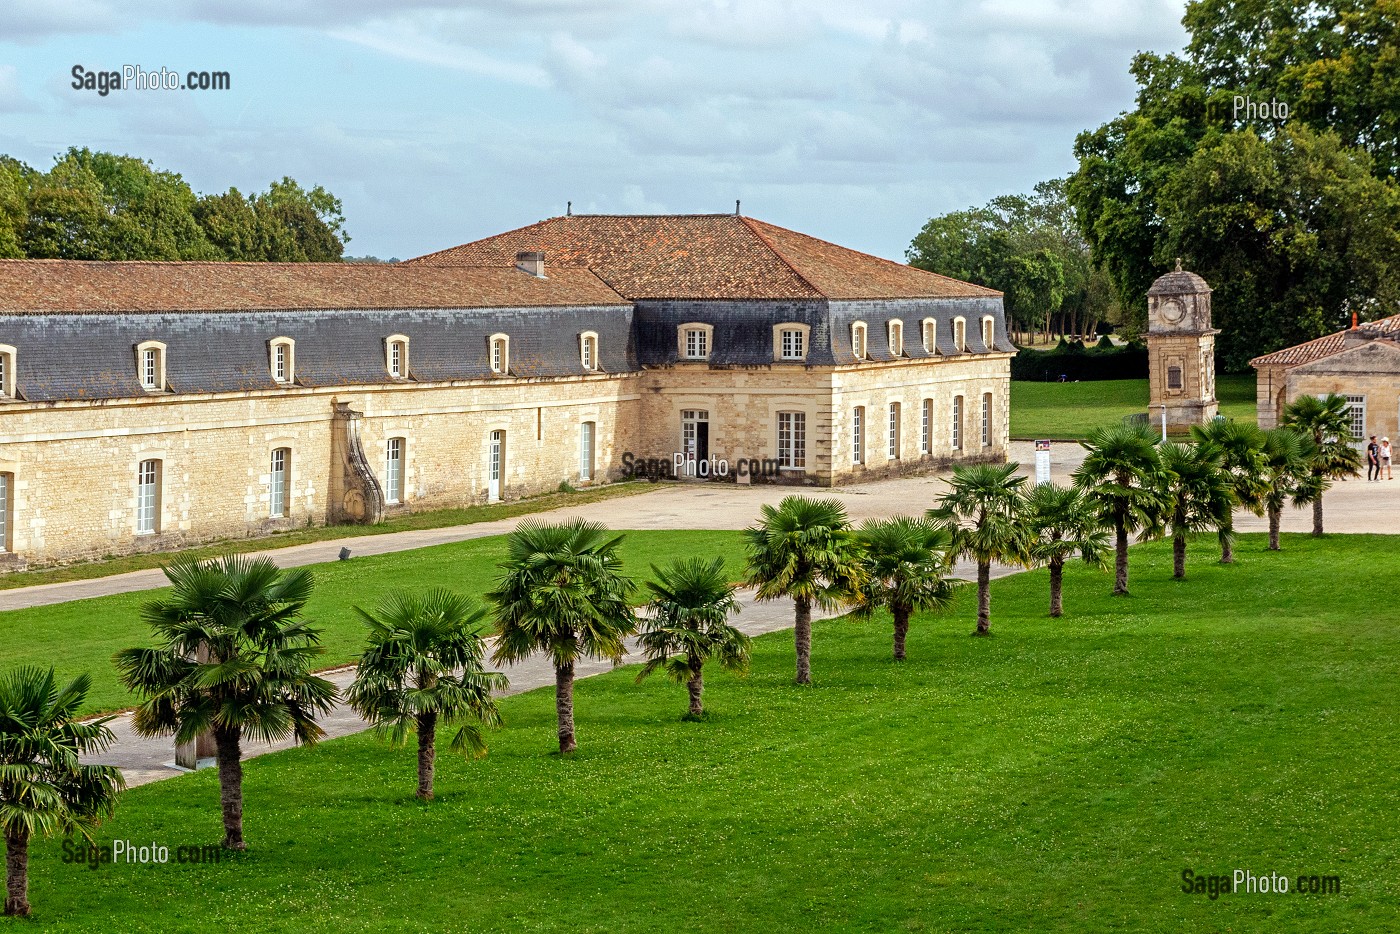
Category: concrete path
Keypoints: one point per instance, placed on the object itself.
(143, 761)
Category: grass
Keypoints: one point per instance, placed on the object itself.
(1055, 778)
(1069, 411)
(436, 519)
(82, 635)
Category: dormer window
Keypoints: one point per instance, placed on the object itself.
(396, 356)
(8, 356)
(930, 336)
(896, 338)
(695, 341)
(960, 334)
(150, 365)
(500, 354)
(283, 354)
(858, 340)
(989, 333)
(588, 350)
(790, 341)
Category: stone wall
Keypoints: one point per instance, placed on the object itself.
(74, 464)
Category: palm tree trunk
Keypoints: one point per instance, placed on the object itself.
(1179, 556)
(802, 639)
(984, 598)
(1057, 581)
(1275, 517)
(564, 706)
(1317, 515)
(696, 687)
(427, 754)
(17, 872)
(1120, 561)
(1227, 546)
(228, 741)
(901, 630)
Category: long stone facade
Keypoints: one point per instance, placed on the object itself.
(150, 406)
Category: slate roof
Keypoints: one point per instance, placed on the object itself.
(74, 286)
(705, 256)
(1324, 346)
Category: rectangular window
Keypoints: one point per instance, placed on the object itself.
(6, 486)
(957, 422)
(148, 497)
(277, 484)
(697, 344)
(896, 339)
(792, 440)
(926, 428)
(1356, 412)
(150, 369)
(858, 341)
(858, 435)
(986, 419)
(894, 431)
(792, 345)
(590, 353)
(396, 359)
(279, 363)
(1173, 377)
(960, 334)
(988, 333)
(930, 336)
(393, 471)
(498, 356)
(585, 451)
(4, 373)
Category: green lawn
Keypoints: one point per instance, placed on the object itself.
(1069, 411)
(1058, 777)
(434, 519)
(83, 635)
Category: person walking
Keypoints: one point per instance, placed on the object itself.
(1373, 460)
(1385, 458)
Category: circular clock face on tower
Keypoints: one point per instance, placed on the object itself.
(1173, 311)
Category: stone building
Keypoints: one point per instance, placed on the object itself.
(1362, 364)
(146, 406)
(1180, 351)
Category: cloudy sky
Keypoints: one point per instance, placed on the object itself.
(440, 122)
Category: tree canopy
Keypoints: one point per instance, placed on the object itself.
(104, 206)
(1265, 156)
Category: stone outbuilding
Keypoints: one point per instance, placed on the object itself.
(1361, 363)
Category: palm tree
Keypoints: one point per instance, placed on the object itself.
(983, 511)
(1286, 474)
(1241, 447)
(1119, 476)
(234, 658)
(804, 549)
(43, 788)
(1196, 494)
(908, 563)
(562, 593)
(691, 603)
(1063, 523)
(423, 667)
(1326, 421)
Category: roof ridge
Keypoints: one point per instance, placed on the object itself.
(749, 223)
(880, 259)
(1325, 337)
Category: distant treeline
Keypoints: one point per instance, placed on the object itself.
(1074, 361)
(102, 206)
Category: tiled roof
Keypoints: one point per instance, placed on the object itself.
(706, 256)
(1324, 346)
(48, 286)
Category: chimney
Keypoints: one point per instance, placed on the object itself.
(1353, 321)
(533, 263)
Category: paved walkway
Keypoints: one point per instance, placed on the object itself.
(1353, 506)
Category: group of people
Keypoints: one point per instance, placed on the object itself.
(1378, 460)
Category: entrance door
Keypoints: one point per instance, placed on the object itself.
(498, 450)
(695, 438)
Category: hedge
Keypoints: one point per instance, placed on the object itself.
(1075, 362)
